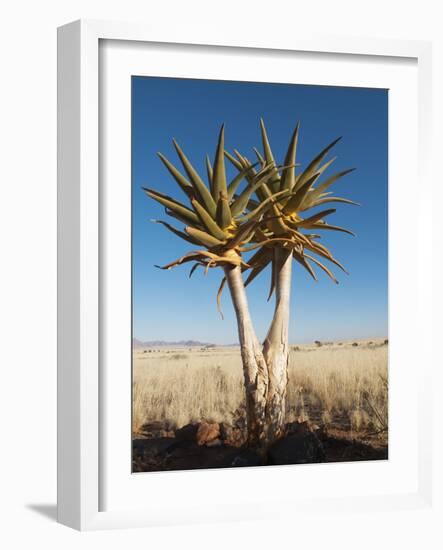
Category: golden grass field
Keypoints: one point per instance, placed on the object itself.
(341, 386)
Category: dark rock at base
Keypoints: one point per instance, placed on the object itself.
(300, 428)
(155, 446)
(187, 433)
(246, 457)
(148, 454)
(187, 455)
(343, 450)
(299, 448)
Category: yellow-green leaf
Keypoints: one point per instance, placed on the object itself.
(202, 237)
(296, 200)
(314, 164)
(232, 187)
(266, 146)
(302, 261)
(179, 178)
(209, 171)
(233, 160)
(208, 221)
(330, 227)
(219, 176)
(173, 205)
(224, 218)
(288, 177)
(308, 222)
(176, 231)
(322, 266)
(202, 192)
(333, 199)
(327, 183)
(219, 293)
(259, 266)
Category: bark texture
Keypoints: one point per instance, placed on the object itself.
(254, 365)
(276, 348)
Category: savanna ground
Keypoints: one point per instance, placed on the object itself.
(188, 406)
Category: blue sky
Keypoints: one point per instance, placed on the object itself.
(167, 305)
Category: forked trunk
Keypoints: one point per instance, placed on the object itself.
(254, 365)
(276, 347)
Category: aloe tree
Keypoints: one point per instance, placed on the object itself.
(284, 240)
(215, 220)
(265, 215)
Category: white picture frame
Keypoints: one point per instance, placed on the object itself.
(82, 401)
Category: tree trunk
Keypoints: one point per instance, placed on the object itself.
(254, 365)
(276, 347)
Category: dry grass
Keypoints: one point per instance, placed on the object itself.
(337, 385)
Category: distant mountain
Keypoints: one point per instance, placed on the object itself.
(163, 343)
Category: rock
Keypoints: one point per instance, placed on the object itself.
(187, 433)
(182, 448)
(232, 435)
(301, 427)
(150, 447)
(187, 455)
(299, 448)
(246, 457)
(214, 443)
(207, 432)
(225, 430)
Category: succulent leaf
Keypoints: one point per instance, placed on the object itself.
(177, 232)
(262, 207)
(173, 205)
(318, 225)
(179, 178)
(224, 217)
(219, 175)
(288, 177)
(209, 172)
(308, 222)
(297, 198)
(259, 265)
(259, 156)
(333, 199)
(241, 202)
(208, 221)
(320, 191)
(232, 187)
(202, 192)
(314, 165)
(233, 160)
(219, 293)
(322, 266)
(269, 157)
(202, 237)
(302, 261)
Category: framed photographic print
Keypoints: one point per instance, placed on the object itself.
(236, 247)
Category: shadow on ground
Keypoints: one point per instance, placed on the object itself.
(48, 511)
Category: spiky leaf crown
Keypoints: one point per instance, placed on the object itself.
(228, 222)
(215, 216)
(285, 227)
